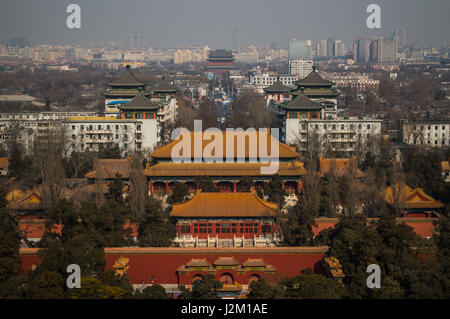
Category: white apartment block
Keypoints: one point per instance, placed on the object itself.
(339, 134)
(259, 82)
(97, 133)
(428, 133)
(29, 127)
(358, 81)
(300, 67)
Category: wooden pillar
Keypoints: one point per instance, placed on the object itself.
(299, 186)
(167, 187)
(150, 187)
(282, 184)
(234, 187)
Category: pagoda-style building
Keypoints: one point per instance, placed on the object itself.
(226, 220)
(163, 91)
(412, 202)
(162, 173)
(278, 93)
(146, 111)
(319, 90)
(220, 62)
(121, 91)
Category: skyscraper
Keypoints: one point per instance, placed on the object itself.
(363, 50)
(387, 49)
(298, 49)
(400, 34)
(234, 45)
(135, 40)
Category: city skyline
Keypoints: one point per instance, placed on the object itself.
(175, 23)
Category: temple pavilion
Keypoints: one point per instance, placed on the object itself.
(123, 90)
(319, 90)
(162, 172)
(226, 220)
(413, 202)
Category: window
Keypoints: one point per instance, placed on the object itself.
(249, 228)
(266, 229)
(73, 127)
(185, 229)
(202, 228)
(368, 126)
(225, 228)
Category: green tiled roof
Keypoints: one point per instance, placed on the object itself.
(301, 102)
(127, 79)
(277, 87)
(164, 86)
(314, 79)
(140, 102)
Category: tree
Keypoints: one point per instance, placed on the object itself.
(116, 189)
(10, 262)
(93, 288)
(260, 289)
(152, 292)
(246, 184)
(139, 189)
(205, 184)
(298, 228)
(179, 193)
(155, 230)
(205, 288)
(309, 285)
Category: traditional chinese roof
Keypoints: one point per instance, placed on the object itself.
(164, 87)
(30, 200)
(225, 205)
(294, 168)
(109, 168)
(226, 261)
(127, 79)
(302, 102)
(123, 93)
(285, 151)
(341, 166)
(140, 102)
(313, 79)
(3, 162)
(198, 263)
(254, 262)
(410, 198)
(278, 87)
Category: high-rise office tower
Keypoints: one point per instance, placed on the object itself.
(135, 40)
(400, 34)
(339, 48)
(387, 49)
(298, 49)
(374, 50)
(363, 50)
(322, 48)
(234, 45)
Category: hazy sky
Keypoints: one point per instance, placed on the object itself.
(171, 23)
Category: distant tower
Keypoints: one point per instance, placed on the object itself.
(234, 45)
(135, 40)
(400, 33)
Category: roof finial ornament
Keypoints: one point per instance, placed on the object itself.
(128, 66)
(314, 67)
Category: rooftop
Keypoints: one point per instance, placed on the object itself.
(127, 79)
(249, 139)
(225, 205)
